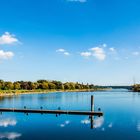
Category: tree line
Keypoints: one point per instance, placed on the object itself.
(44, 85)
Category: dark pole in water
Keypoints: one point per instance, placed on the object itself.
(92, 109)
(91, 122)
(92, 103)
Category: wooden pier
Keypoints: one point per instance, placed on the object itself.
(41, 111)
(90, 113)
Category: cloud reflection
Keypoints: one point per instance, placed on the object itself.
(10, 135)
(86, 121)
(62, 125)
(138, 126)
(98, 122)
(65, 123)
(110, 125)
(103, 129)
(8, 122)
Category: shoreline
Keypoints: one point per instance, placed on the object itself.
(20, 92)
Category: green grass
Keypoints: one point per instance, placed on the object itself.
(12, 92)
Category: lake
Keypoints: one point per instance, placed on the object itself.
(121, 120)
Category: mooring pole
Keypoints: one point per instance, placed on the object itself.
(92, 109)
(92, 103)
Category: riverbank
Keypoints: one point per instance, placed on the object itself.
(39, 91)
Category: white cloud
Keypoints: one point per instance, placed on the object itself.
(86, 54)
(63, 51)
(8, 39)
(10, 136)
(82, 1)
(104, 45)
(98, 53)
(8, 122)
(112, 49)
(66, 53)
(136, 53)
(60, 50)
(6, 55)
(98, 122)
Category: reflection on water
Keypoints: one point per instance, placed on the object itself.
(85, 121)
(65, 123)
(138, 126)
(121, 118)
(98, 122)
(95, 122)
(7, 122)
(10, 135)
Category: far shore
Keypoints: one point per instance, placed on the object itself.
(19, 92)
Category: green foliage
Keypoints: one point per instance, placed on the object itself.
(8, 85)
(16, 85)
(43, 85)
(136, 88)
(51, 85)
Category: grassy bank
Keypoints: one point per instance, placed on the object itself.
(18, 92)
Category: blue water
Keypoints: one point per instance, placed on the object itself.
(121, 120)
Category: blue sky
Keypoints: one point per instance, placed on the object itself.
(94, 41)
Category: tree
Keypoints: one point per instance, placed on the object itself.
(52, 85)
(34, 85)
(1, 84)
(16, 85)
(8, 86)
(72, 85)
(45, 85)
(67, 86)
(59, 85)
(41, 81)
(91, 86)
(77, 86)
(25, 85)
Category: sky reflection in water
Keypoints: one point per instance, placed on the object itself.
(121, 118)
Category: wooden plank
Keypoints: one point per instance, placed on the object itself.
(51, 111)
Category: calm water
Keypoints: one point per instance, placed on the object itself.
(121, 118)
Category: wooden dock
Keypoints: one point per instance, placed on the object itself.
(27, 111)
(41, 111)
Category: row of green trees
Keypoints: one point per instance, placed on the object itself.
(43, 84)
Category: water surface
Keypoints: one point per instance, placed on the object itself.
(121, 118)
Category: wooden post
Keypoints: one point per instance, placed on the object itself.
(92, 110)
(92, 103)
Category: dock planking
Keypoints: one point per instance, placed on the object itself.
(90, 113)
